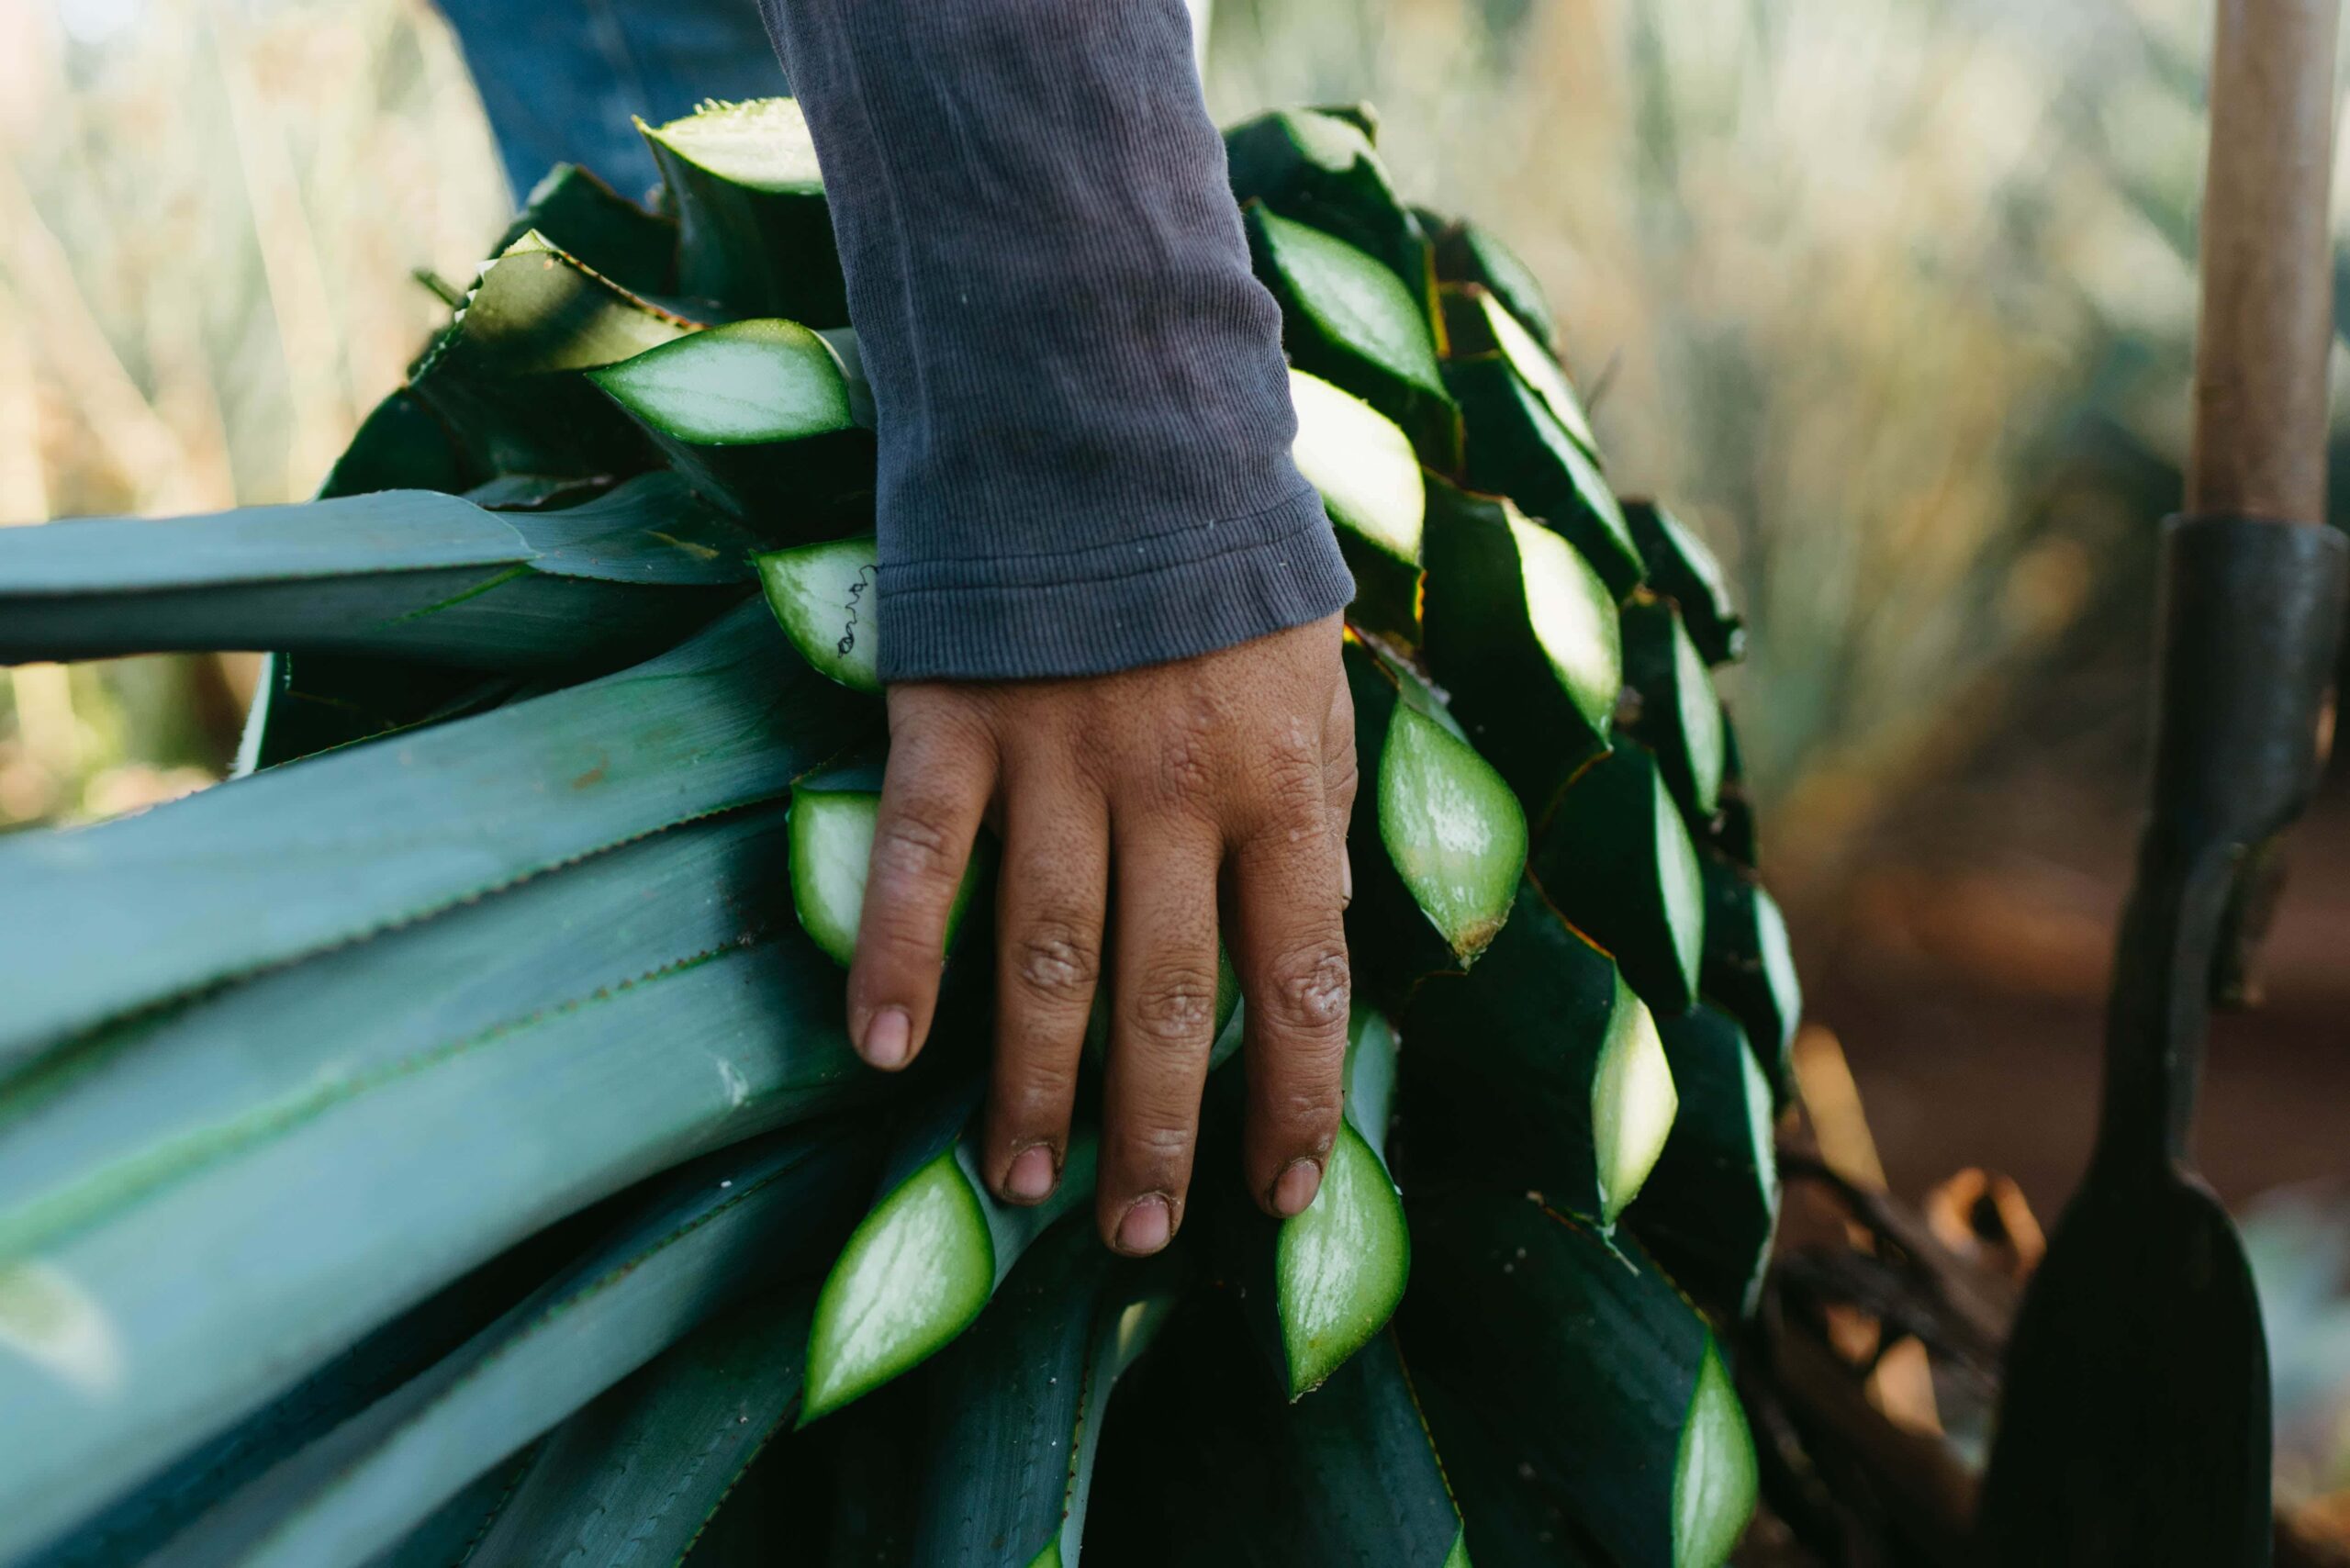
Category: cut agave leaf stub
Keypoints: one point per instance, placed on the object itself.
(1682, 568)
(1522, 452)
(1439, 841)
(1523, 634)
(1363, 465)
(1541, 1067)
(754, 228)
(1340, 1267)
(1617, 859)
(834, 816)
(827, 598)
(1585, 1365)
(1346, 318)
(926, 1258)
(1679, 714)
(1708, 1210)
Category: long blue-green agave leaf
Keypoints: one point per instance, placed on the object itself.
(287, 1236)
(108, 919)
(1018, 1404)
(721, 1229)
(633, 1477)
(404, 574)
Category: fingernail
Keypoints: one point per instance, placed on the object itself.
(1030, 1180)
(1144, 1228)
(1346, 877)
(888, 1039)
(1293, 1191)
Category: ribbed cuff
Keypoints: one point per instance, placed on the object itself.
(1114, 607)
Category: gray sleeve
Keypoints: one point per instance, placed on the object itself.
(1085, 416)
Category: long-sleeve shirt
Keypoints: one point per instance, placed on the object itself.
(1083, 413)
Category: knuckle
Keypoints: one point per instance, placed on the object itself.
(1039, 1088)
(1175, 1006)
(1057, 961)
(912, 845)
(1157, 1145)
(1310, 989)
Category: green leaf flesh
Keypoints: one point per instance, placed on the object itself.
(1524, 634)
(928, 1256)
(1617, 859)
(1588, 1369)
(1682, 568)
(826, 598)
(1522, 452)
(1708, 1210)
(744, 382)
(1348, 319)
(1541, 1068)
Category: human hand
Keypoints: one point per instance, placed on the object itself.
(1217, 782)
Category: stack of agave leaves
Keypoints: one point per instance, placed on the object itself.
(440, 1143)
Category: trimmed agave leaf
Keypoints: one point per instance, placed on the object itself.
(287, 1236)
(1618, 861)
(400, 445)
(1439, 842)
(1684, 568)
(928, 1255)
(1732, 829)
(1346, 318)
(1679, 714)
(1469, 252)
(1589, 1372)
(138, 1524)
(1476, 323)
(1340, 1267)
(833, 810)
(1523, 634)
(753, 226)
(1517, 448)
(1369, 479)
(1018, 1404)
(1748, 971)
(319, 701)
(1202, 1466)
(159, 1102)
(758, 415)
(710, 1235)
(112, 918)
(1320, 169)
(447, 1537)
(503, 377)
(636, 1474)
(575, 210)
(1360, 114)
(1709, 1208)
(1508, 1518)
(397, 573)
(825, 598)
(1538, 1069)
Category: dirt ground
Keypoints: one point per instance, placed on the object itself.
(1965, 974)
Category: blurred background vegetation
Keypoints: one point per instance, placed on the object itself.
(1892, 298)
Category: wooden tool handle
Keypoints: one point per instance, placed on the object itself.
(2267, 326)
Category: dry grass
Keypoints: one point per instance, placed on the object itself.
(1840, 273)
(208, 217)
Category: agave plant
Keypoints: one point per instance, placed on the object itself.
(441, 1144)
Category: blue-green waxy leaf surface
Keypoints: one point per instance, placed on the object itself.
(713, 1232)
(119, 916)
(340, 1172)
(397, 574)
(1018, 1404)
(635, 1476)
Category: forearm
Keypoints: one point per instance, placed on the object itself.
(1085, 417)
